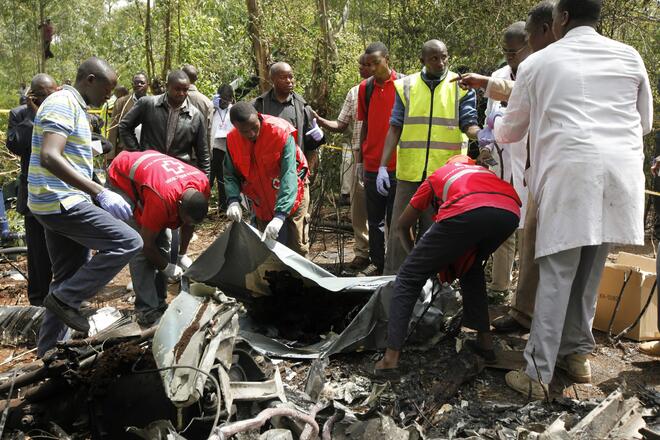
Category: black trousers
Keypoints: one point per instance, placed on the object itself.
(217, 176)
(443, 243)
(379, 213)
(38, 261)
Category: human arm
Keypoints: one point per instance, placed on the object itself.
(514, 124)
(113, 132)
(231, 179)
(201, 145)
(286, 194)
(405, 227)
(151, 250)
(19, 134)
(467, 114)
(128, 123)
(333, 126)
(185, 235)
(394, 133)
(644, 99)
(499, 89)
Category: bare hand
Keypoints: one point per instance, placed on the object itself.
(471, 81)
(31, 104)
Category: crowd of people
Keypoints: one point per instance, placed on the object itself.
(558, 175)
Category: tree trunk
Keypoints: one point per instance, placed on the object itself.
(259, 47)
(42, 44)
(167, 57)
(326, 58)
(148, 49)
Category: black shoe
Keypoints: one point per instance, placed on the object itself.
(66, 313)
(488, 355)
(506, 324)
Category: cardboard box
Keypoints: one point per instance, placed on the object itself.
(640, 272)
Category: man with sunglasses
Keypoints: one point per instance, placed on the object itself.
(510, 157)
(122, 106)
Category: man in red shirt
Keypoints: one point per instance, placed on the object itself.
(165, 194)
(476, 212)
(375, 102)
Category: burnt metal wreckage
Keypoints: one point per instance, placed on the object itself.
(218, 365)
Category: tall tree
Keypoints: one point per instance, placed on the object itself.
(259, 47)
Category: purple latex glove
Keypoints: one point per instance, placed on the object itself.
(485, 136)
(490, 120)
(114, 204)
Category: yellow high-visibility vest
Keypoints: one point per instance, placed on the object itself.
(431, 132)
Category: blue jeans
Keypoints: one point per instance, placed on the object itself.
(78, 276)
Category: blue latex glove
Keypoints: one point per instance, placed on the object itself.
(216, 101)
(383, 181)
(485, 136)
(490, 120)
(114, 204)
(316, 133)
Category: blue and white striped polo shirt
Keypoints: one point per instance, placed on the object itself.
(64, 113)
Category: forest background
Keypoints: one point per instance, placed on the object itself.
(236, 40)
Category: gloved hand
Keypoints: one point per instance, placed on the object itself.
(359, 172)
(216, 101)
(486, 157)
(383, 181)
(173, 271)
(485, 136)
(272, 229)
(114, 204)
(184, 261)
(490, 120)
(316, 133)
(234, 212)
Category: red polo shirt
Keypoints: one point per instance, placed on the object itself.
(378, 121)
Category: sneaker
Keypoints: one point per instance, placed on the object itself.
(522, 383)
(70, 316)
(372, 271)
(576, 366)
(359, 263)
(651, 348)
(505, 324)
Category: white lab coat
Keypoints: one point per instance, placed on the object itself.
(513, 155)
(586, 101)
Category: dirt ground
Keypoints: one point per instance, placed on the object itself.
(612, 366)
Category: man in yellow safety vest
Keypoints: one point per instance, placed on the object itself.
(431, 121)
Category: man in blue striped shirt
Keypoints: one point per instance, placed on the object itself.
(61, 194)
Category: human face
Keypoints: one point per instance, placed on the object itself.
(226, 99)
(98, 89)
(559, 22)
(377, 64)
(515, 50)
(140, 85)
(435, 61)
(283, 81)
(177, 92)
(538, 36)
(365, 69)
(250, 128)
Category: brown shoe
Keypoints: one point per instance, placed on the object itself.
(522, 383)
(576, 366)
(651, 348)
(358, 263)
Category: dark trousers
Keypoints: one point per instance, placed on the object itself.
(379, 213)
(38, 261)
(77, 275)
(217, 176)
(442, 244)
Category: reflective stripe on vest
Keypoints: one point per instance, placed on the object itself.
(138, 162)
(431, 132)
(455, 177)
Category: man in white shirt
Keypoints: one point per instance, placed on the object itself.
(511, 157)
(586, 102)
(220, 127)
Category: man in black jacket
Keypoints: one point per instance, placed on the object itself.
(170, 124)
(19, 142)
(283, 102)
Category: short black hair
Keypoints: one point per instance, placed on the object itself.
(377, 47)
(225, 88)
(94, 66)
(196, 205)
(191, 71)
(581, 10)
(541, 13)
(177, 75)
(241, 112)
(516, 31)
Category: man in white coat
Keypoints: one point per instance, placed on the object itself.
(511, 157)
(586, 102)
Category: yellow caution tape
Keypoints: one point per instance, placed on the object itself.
(652, 193)
(332, 147)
